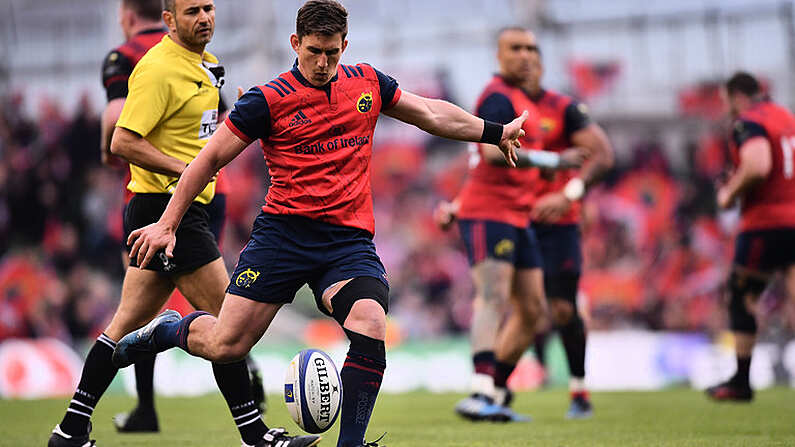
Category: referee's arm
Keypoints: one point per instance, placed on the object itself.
(222, 148)
(140, 152)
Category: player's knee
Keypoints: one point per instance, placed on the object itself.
(495, 292)
(530, 309)
(743, 291)
(561, 311)
(367, 317)
(230, 352)
(361, 306)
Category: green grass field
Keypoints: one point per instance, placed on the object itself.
(675, 417)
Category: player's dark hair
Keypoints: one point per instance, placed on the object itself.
(325, 17)
(519, 28)
(742, 82)
(169, 5)
(146, 9)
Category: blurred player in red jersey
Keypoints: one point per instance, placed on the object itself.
(316, 125)
(556, 218)
(493, 211)
(762, 142)
(143, 27)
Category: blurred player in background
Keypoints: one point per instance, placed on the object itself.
(142, 25)
(316, 123)
(493, 211)
(762, 142)
(556, 218)
(168, 116)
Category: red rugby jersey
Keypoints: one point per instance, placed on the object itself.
(500, 193)
(560, 117)
(318, 141)
(771, 203)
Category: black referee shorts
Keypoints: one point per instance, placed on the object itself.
(196, 244)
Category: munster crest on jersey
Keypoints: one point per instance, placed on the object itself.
(365, 102)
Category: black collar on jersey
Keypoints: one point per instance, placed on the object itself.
(159, 29)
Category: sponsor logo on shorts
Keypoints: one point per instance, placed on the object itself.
(167, 264)
(504, 247)
(246, 278)
(365, 102)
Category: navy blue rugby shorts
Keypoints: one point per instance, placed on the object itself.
(497, 240)
(285, 252)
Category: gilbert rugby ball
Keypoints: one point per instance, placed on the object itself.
(313, 390)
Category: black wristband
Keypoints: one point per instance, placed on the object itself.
(492, 133)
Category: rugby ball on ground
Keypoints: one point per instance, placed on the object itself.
(313, 390)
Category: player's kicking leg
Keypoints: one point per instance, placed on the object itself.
(744, 287)
(143, 293)
(492, 279)
(517, 334)
(228, 338)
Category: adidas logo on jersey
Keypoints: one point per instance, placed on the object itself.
(300, 119)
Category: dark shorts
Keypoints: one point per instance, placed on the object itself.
(216, 211)
(196, 244)
(765, 250)
(488, 239)
(286, 252)
(560, 248)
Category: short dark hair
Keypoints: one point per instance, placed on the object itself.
(519, 28)
(742, 82)
(169, 5)
(146, 9)
(326, 17)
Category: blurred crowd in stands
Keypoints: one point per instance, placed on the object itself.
(656, 252)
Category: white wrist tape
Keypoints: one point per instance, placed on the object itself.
(574, 189)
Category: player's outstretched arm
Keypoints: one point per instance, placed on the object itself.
(222, 148)
(447, 120)
(756, 161)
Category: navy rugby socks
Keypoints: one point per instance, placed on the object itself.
(98, 372)
(361, 377)
(483, 362)
(169, 335)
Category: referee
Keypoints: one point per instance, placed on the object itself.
(170, 112)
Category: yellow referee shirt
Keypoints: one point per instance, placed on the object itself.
(173, 103)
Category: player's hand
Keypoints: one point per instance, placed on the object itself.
(145, 242)
(725, 200)
(444, 215)
(572, 158)
(509, 142)
(240, 92)
(550, 207)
